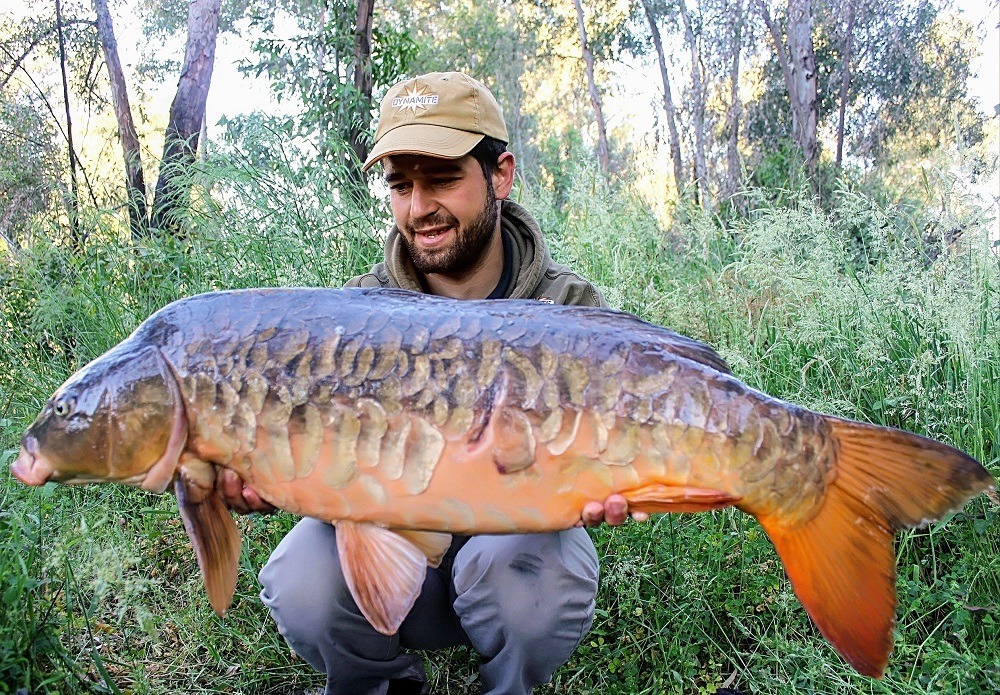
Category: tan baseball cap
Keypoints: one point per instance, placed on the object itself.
(440, 114)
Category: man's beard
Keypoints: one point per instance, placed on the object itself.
(469, 245)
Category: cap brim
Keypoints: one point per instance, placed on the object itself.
(423, 139)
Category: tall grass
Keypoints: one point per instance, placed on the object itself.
(853, 312)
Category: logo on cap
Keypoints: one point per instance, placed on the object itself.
(414, 98)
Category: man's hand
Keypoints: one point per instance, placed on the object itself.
(239, 498)
(613, 512)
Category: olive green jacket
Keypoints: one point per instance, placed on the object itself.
(536, 275)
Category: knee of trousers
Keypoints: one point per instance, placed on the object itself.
(305, 591)
(534, 594)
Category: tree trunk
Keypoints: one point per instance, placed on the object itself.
(74, 198)
(186, 115)
(362, 78)
(733, 173)
(803, 64)
(135, 185)
(359, 109)
(697, 108)
(680, 181)
(603, 155)
(798, 64)
(845, 81)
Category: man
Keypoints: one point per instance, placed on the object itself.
(523, 602)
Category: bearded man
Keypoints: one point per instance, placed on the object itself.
(523, 602)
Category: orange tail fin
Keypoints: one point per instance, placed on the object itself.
(841, 562)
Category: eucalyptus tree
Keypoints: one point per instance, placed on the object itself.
(187, 114)
(909, 66)
(736, 36)
(135, 182)
(652, 11)
(697, 94)
(38, 78)
(603, 155)
(891, 82)
(501, 43)
(331, 57)
(701, 45)
(30, 169)
(794, 50)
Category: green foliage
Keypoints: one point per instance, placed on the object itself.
(910, 63)
(28, 170)
(315, 67)
(852, 311)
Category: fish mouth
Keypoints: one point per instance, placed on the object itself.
(31, 468)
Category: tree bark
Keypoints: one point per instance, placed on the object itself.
(186, 115)
(697, 108)
(603, 155)
(74, 198)
(779, 43)
(680, 181)
(135, 184)
(803, 62)
(733, 174)
(362, 78)
(845, 81)
(798, 64)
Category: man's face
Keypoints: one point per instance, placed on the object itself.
(445, 209)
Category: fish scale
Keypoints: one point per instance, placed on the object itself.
(433, 352)
(402, 417)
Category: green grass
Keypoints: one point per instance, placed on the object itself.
(851, 312)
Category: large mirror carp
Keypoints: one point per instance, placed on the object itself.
(403, 418)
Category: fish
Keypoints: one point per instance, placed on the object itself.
(404, 418)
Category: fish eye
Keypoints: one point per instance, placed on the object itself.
(63, 407)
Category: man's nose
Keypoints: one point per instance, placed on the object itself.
(422, 203)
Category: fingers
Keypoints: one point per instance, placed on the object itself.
(592, 515)
(240, 498)
(232, 491)
(614, 512)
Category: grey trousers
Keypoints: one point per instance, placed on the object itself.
(523, 602)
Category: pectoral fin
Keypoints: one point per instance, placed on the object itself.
(656, 498)
(216, 540)
(384, 572)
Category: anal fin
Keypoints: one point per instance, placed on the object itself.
(383, 570)
(657, 499)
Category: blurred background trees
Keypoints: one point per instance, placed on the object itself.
(699, 99)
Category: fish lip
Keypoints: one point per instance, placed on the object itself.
(31, 468)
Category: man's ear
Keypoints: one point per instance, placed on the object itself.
(503, 175)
